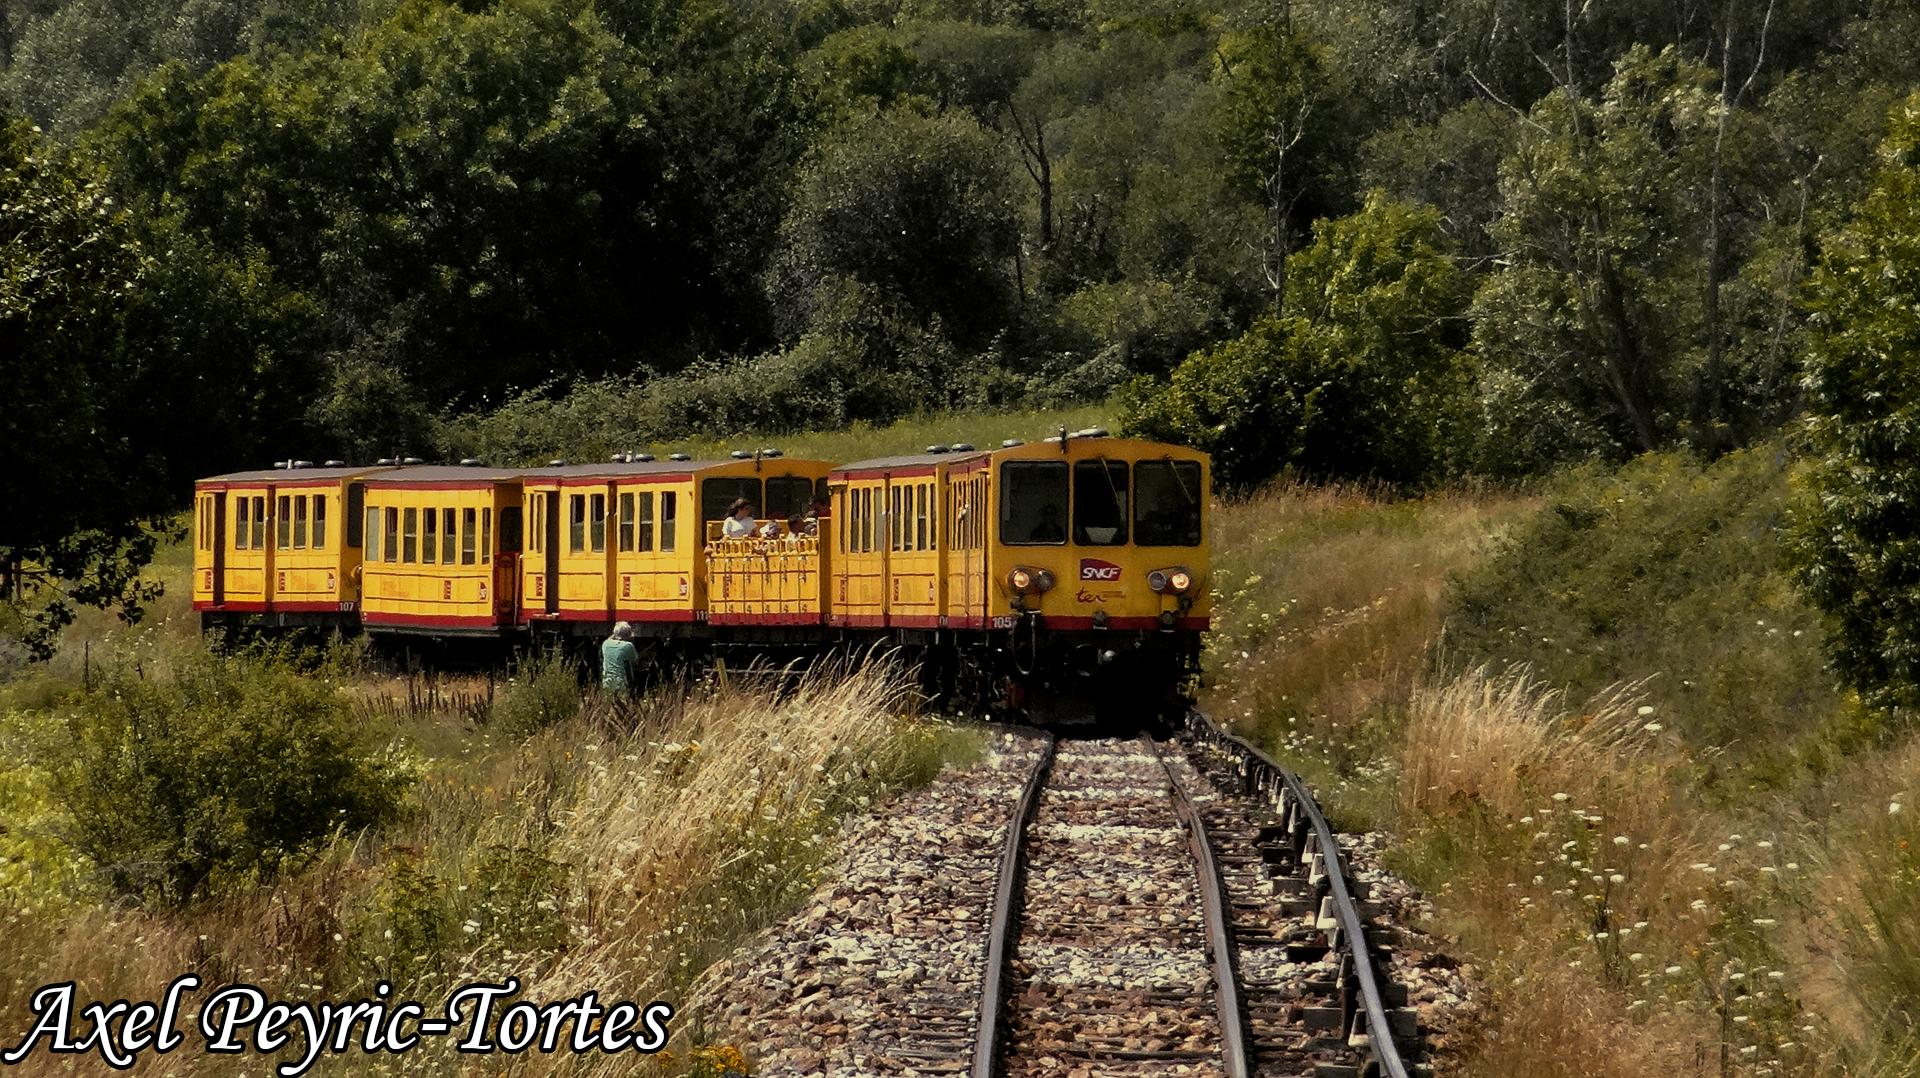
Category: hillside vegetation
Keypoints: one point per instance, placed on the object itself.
(1598, 720)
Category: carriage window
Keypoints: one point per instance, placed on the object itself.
(392, 545)
(644, 533)
(299, 522)
(626, 523)
(410, 536)
(718, 493)
(283, 518)
(241, 517)
(430, 537)
(576, 523)
(894, 517)
(509, 528)
(1033, 499)
(371, 532)
(356, 512)
(538, 512)
(319, 522)
(1167, 500)
(486, 535)
(669, 519)
(449, 535)
(1100, 502)
(920, 518)
(787, 496)
(597, 523)
(469, 527)
(259, 540)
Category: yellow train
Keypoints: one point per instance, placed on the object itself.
(1072, 566)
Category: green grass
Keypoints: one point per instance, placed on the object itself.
(862, 441)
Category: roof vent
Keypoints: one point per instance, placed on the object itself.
(643, 458)
(678, 456)
(303, 464)
(334, 464)
(411, 460)
(773, 452)
(386, 462)
(618, 458)
(1091, 432)
(1011, 442)
(471, 462)
(557, 462)
(740, 454)
(280, 465)
(961, 447)
(937, 449)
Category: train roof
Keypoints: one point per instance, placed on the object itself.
(449, 474)
(619, 468)
(303, 475)
(908, 460)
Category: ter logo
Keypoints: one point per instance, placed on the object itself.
(1098, 569)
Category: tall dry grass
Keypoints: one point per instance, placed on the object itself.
(620, 850)
(1632, 928)
(1327, 598)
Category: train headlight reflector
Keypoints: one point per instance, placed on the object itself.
(1180, 580)
(1025, 581)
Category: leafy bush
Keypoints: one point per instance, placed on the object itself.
(1669, 571)
(235, 767)
(1360, 376)
(544, 690)
(1860, 539)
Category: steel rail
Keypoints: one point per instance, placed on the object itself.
(1346, 911)
(1006, 921)
(1214, 909)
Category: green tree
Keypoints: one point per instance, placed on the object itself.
(1860, 534)
(133, 361)
(919, 208)
(1361, 376)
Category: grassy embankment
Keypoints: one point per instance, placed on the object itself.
(537, 837)
(1598, 722)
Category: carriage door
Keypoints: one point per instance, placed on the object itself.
(550, 547)
(219, 548)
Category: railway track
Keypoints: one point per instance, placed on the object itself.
(1147, 922)
(1079, 908)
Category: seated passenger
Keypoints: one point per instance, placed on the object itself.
(808, 526)
(739, 522)
(1048, 529)
(769, 530)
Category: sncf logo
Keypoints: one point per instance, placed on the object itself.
(1096, 569)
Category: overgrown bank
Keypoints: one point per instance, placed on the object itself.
(544, 838)
(1599, 723)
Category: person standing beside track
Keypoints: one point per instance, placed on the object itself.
(619, 661)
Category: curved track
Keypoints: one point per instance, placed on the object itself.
(1131, 890)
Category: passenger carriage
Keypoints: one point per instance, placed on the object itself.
(279, 547)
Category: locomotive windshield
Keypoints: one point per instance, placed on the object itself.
(1033, 501)
(1100, 502)
(1166, 508)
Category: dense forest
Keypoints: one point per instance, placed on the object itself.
(1406, 242)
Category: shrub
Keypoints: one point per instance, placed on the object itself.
(234, 767)
(1360, 376)
(544, 690)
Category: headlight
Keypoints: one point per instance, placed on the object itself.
(1025, 581)
(1176, 580)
